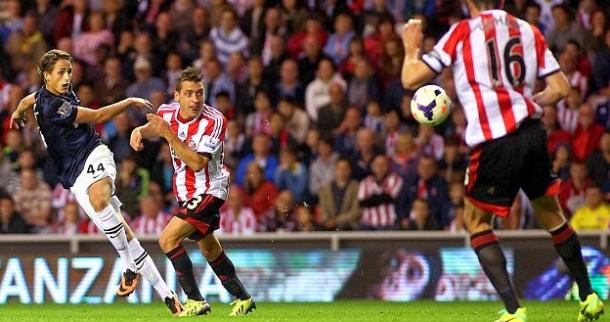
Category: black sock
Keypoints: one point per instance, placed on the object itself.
(225, 270)
(567, 245)
(184, 270)
(493, 262)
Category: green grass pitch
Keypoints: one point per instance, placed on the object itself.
(348, 311)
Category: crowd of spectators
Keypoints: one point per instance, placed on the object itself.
(320, 135)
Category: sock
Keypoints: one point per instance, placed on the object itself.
(112, 227)
(493, 262)
(146, 266)
(567, 245)
(184, 270)
(225, 270)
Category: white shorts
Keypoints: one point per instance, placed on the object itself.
(99, 165)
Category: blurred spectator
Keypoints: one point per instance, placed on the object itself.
(260, 194)
(261, 145)
(533, 13)
(119, 141)
(275, 58)
(71, 20)
(295, 15)
(378, 196)
(236, 68)
(162, 170)
(279, 134)
(173, 64)
(555, 135)
(421, 217)
(317, 93)
(391, 61)
(428, 185)
(86, 44)
(258, 121)
(273, 28)
(296, 40)
(356, 52)
(224, 105)
(26, 161)
(296, 119)
(373, 44)
(568, 62)
(69, 225)
(217, 81)
(252, 19)
(572, 191)
(282, 216)
(131, 184)
(332, 114)
(429, 142)
(11, 221)
(599, 164)
(322, 168)
(304, 219)
(453, 164)
(587, 135)
(374, 118)
(180, 14)
(145, 82)
(601, 61)
(12, 22)
(27, 45)
(253, 84)
(111, 88)
(289, 84)
(345, 134)
(33, 201)
(59, 198)
(235, 217)
(234, 145)
(164, 39)
(561, 161)
(339, 205)
(152, 218)
(227, 37)
(337, 46)
(206, 51)
(362, 87)
(310, 59)
(365, 151)
(594, 214)
(565, 28)
(189, 39)
(392, 128)
(404, 156)
(291, 175)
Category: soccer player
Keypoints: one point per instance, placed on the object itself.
(195, 133)
(86, 166)
(496, 60)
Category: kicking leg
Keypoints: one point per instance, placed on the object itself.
(491, 257)
(112, 225)
(549, 214)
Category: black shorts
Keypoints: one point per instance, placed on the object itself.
(499, 168)
(203, 213)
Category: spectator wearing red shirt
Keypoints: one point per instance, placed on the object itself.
(572, 191)
(260, 193)
(555, 135)
(587, 135)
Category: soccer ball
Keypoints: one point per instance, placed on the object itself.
(430, 105)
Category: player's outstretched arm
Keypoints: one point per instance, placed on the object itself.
(415, 72)
(18, 116)
(191, 158)
(104, 114)
(140, 133)
(557, 88)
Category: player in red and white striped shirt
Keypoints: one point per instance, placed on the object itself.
(195, 133)
(496, 60)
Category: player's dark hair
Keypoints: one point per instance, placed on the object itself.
(190, 74)
(49, 59)
(488, 3)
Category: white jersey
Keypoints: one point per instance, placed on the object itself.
(204, 134)
(496, 60)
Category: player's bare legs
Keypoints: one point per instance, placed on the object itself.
(492, 260)
(549, 214)
(225, 270)
(113, 227)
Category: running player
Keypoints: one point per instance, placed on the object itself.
(195, 133)
(496, 60)
(86, 166)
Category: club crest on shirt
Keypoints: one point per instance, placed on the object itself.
(64, 109)
(191, 144)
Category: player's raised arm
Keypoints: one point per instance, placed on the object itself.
(18, 116)
(415, 72)
(192, 159)
(104, 114)
(140, 133)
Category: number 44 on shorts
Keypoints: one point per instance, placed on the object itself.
(90, 169)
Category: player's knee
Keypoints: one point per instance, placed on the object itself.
(167, 242)
(99, 196)
(211, 252)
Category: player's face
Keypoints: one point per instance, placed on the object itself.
(190, 98)
(58, 80)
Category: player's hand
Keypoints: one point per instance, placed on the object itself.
(412, 35)
(142, 104)
(136, 140)
(17, 120)
(159, 126)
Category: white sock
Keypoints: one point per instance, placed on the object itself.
(112, 227)
(146, 267)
